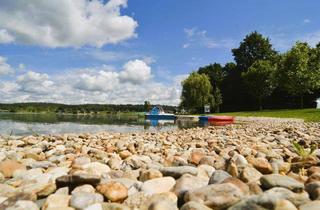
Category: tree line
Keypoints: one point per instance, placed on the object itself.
(76, 109)
(259, 78)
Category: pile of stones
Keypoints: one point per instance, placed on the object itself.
(237, 167)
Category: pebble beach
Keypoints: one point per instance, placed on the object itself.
(251, 165)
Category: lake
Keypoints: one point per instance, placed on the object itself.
(26, 124)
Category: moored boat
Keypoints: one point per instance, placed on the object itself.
(157, 113)
(217, 118)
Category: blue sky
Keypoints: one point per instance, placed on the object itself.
(119, 51)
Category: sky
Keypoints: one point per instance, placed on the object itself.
(129, 51)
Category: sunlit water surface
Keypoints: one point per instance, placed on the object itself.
(26, 124)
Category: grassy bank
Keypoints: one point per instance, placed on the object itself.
(309, 115)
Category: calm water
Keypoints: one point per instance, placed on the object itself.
(25, 124)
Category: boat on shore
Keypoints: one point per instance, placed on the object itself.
(157, 113)
(217, 120)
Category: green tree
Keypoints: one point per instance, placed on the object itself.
(196, 92)
(253, 48)
(147, 106)
(299, 71)
(259, 80)
(216, 75)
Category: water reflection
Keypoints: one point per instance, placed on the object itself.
(25, 124)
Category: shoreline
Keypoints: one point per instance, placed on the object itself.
(230, 167)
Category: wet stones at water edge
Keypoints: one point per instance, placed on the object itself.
(237, 167)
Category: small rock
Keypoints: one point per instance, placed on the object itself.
(188, 182)
(57, 172)
(315, 177)
(218, 176)
(237, 182)
(8, 167)
(254, 188)
(250, 174)
(84, 188)
(161, 201)
(135, 201)
(177, 171)
(16, 197)
(313, 205)
(313, 169)
(23, 205)
(125, 154)
(262, 165)
(113, 191)
(269, 199)
(279, 166)
(42, 164)
(276, 180)
(313, 189)
(115, 163)
(80, 200)
(192, 205)
(56, 201)
(7, 190)
(72, 181)
(232, 169)
(205, 171)
(207, 160)
(163, 205)
(149, 174)
(37, 157)
(196, 155)
(113, 206)
(63, 191)
(284, 205)
(2, 156)
(216, 196)
(158, 185)
(2, 178)
(239, 160)
(96, 168)
(80, 161)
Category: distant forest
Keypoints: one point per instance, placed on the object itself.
(77, 109)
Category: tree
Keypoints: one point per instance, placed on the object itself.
(259, 80)
(299, 71)
(147, 106)
(216, 76)
(253, 48)
(196, 92)
(229, 87)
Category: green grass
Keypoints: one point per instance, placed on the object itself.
(309, 115)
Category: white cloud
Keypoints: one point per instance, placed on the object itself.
(284, 42)
(65, 23)
(307, 20)
(107, 56)
(135, 72)
(200, 38)
(33, 82)
(5, 37)
(100, 81)
(312, 38)
(5, 68)
(114, 56)
(21, 66)
(93, 85)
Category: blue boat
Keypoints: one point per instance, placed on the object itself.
(157, 113)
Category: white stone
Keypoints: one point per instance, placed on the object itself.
(158, 185)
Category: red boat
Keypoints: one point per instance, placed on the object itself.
(217, 120)
(220, 118)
